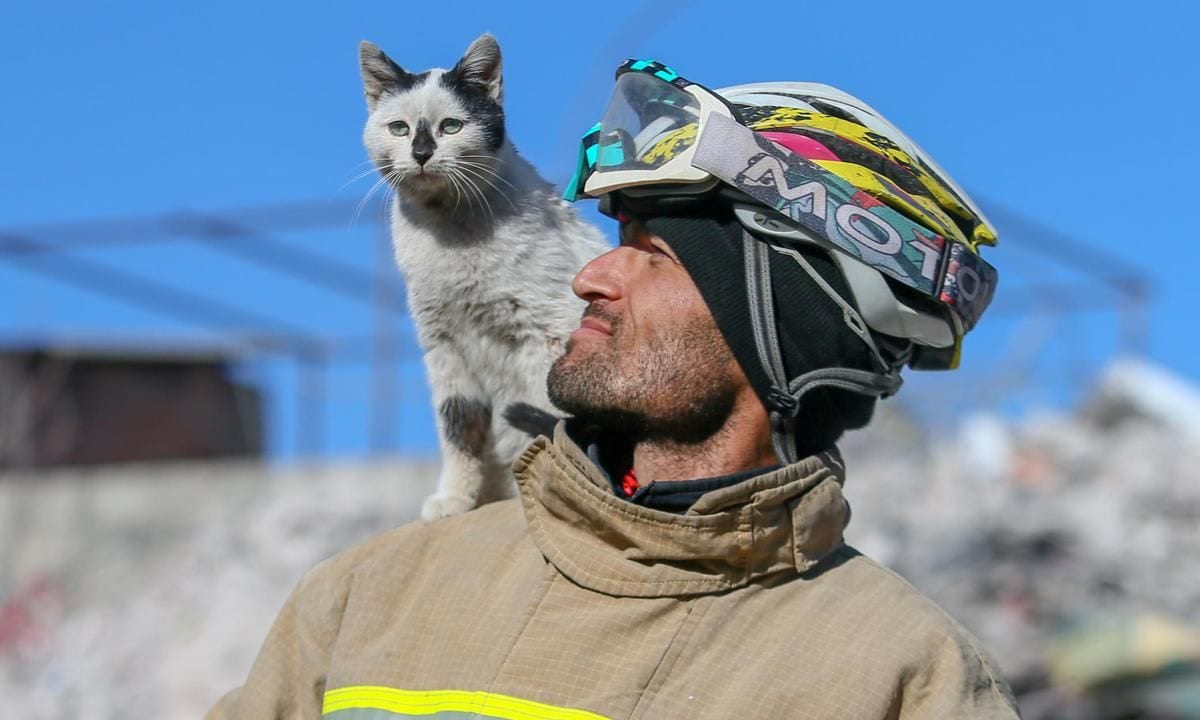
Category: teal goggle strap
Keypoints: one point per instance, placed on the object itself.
(589, 147)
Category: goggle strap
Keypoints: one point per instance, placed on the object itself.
(584, 164)
(804, 193)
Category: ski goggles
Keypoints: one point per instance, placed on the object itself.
(663, 135)
(648, 134)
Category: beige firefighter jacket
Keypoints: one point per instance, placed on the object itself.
(573, 604)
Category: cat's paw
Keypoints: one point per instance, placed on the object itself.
(441, 506)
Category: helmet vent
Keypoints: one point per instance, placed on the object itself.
(834, 110)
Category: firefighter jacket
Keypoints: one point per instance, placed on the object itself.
(569, 603)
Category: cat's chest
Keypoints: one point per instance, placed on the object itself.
(479, 321)
(514, 286)
(475, 302)
(464, 300)
(458, 281)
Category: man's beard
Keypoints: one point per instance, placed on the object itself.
(675, 387)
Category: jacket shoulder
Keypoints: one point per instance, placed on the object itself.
(495, 527)
(942, 663)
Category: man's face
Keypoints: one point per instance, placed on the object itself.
(648, 360)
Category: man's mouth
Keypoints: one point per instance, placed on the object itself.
(591, 327)
(596, 322)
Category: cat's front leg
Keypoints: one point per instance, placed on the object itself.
(464, 423)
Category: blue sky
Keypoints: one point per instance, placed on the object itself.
(1075, 115)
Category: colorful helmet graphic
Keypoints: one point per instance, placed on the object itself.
(806, 163)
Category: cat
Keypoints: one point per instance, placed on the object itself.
(487, 250)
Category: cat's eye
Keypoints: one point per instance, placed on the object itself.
(398, 128)
(451, 125)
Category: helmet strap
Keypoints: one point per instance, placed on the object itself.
(850, 316)
(783, 401)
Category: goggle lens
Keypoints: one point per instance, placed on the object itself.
(648, 122)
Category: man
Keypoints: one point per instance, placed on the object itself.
(676, 550)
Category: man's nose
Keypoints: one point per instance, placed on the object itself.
(603, 278)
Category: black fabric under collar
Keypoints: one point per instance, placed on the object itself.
(676, 496)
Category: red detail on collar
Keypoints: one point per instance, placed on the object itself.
(629, 483)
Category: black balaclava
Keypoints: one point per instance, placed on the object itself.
(810, 325)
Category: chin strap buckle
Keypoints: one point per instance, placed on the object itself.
(783, 402)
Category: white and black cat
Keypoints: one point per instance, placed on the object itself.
(487, 249)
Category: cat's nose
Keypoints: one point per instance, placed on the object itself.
(422, 154)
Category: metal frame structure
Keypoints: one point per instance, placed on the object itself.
(46, 251)
(255, 235)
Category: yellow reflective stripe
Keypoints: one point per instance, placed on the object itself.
(431, 702)
(919, 209)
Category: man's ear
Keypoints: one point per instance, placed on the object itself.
(481, 66)
(380, 74)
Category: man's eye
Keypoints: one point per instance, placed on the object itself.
(658, 252)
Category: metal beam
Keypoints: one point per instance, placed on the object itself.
(243, 242)
(183, 305)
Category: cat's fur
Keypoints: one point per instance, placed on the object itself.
(487, 249)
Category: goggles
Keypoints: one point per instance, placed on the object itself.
(662, 135)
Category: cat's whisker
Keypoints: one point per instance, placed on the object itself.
(500, 192)
(363, 202)
(486, 168)
(358, 177)
(457, 194)
(482, 172)
(468, 189)
(385, 180)
(388, 193)
(459, 187)
(483, 203)
(457, 191)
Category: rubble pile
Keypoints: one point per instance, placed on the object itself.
(1018, 529)
(1022, 530)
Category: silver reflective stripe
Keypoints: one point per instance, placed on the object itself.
(757, 264)
(762, 307)
(859, 381)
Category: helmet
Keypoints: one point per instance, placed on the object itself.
(804, 164)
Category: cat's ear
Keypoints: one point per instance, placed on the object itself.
(380, 74)
(481, 66)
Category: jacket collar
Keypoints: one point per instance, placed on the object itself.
(786, 520)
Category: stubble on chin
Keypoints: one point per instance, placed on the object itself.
(580, 381)
(675, 388)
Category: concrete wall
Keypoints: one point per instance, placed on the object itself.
(148, 589)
